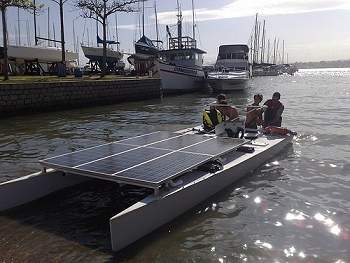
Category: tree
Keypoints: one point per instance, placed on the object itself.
(60, 3)
(4, 4)
(99, 10)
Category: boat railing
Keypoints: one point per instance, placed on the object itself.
(182, 43)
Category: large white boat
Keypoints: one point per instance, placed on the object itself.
(180, 67)
(20, 54)
(180, 169)
(232, 70)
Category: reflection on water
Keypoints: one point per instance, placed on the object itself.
(294, 208)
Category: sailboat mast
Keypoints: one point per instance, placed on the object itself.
(97, 32)
(48, 26)
(143, 17)
(74, 39)
(274, 51)
(116, 27)
(263, 45)
(19, 27)
(255, 37)
(283, 53)
(268, 51)
(28, 36)
(193, 23)
(35, 34)
(179, 25)
(54, 33)
(156, 16)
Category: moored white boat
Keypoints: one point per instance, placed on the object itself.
(232, 70)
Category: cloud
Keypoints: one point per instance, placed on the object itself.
(244, 8)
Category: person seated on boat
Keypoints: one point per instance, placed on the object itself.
(229, 112)
(273, 112)
(254, 113)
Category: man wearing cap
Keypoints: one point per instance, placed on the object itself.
(273, 113)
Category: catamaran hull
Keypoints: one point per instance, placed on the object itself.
(153, 212)
(178, 79)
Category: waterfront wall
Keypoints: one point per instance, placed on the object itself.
(35, 97)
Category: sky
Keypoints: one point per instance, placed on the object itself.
(313, 30)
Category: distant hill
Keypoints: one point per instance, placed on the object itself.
(324, 64)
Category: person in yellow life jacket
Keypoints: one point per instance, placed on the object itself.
(254, 113)
(228, 111)
(219, 112)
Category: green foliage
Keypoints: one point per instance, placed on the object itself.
(24, 4)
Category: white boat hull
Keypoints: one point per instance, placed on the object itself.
(96, 53)
(178, 79)
(152, 212)
(221, 81)
(42, 54)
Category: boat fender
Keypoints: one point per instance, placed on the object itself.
(245, 149)
(211, 166)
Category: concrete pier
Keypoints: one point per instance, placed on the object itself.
(24, 98)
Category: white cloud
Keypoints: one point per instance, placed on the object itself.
(243, 8)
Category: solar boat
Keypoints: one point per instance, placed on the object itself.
(181, 169)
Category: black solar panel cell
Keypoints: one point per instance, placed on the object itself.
(216, 146)
(123, 161)
(164, 168)
(151, 138)
(80, 157)
(180, 142)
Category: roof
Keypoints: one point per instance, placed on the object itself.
(233, 48)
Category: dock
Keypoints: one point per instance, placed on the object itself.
(22, 97)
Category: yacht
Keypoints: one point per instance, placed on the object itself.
(232, 68)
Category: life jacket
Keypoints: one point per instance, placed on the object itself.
(211, 118)
(271, 111)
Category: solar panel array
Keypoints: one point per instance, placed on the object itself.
(147, 160)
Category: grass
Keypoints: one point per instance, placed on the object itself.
(69, 78)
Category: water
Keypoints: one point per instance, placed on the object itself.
(292, 209)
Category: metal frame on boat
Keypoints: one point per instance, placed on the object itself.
(173, 195)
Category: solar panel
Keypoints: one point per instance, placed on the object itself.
(81, 157)
(165, 168)
(121, 162)
(148, 160)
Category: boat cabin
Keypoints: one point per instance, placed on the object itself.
(183, 52)
(233, 57)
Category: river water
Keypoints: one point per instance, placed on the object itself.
(296, 208)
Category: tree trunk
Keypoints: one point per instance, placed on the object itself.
(62, 38)
(104, 58)
(4, 35)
